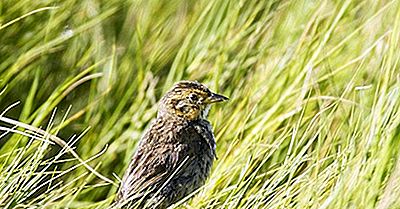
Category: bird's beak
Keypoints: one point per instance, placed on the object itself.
(215, 98)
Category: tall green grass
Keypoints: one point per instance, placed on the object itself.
(313, 120)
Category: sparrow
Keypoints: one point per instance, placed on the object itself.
(175, 155)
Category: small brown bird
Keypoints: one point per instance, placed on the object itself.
(175, 155)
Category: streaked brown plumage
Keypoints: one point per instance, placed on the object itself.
(176, 153)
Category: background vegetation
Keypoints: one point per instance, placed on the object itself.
(313, 120)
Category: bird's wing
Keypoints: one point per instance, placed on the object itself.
(150, 170)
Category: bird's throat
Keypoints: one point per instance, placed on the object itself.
(204, 112)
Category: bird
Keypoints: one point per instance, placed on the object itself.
(175, 155)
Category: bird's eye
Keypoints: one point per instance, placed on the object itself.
(193, 97)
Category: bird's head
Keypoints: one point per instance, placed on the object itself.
(189, 100)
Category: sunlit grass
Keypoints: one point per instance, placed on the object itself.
(313, 119)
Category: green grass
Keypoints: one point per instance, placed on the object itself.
(313, 120)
